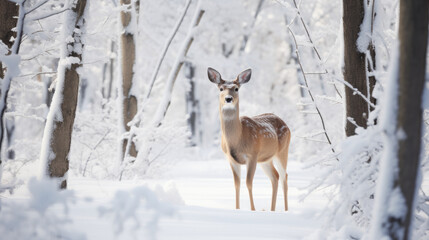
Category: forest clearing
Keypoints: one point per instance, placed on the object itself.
(204, 119)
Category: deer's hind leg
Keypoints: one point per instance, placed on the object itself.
(272, 174)
(281, 162)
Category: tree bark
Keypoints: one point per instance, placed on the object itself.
(59, 144)
(354, 66)
(129, 101)
(107, 90)
(372, 80)
(413, 39)
(8, 20)
(192, 104)
(372, 68)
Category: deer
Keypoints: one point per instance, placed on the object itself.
(262, 139)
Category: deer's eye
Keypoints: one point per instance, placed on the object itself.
(236, 89)
(221, 89)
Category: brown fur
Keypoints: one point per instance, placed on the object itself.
(248, 141)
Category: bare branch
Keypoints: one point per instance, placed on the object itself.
(36, 74)
(326, 71)
(312, 139)
(313, 134)
(315, 73)
(252, 25)
(23, 115)
(309, 92)
(334, 100)
(313, 46)
(309, 112)
(304, 104)
(164, 105)
(93, 149)
(48, 15)
(39, 54)
(35, 7)
(355, 90)
(166, 46)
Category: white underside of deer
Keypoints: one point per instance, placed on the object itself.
(262, 139)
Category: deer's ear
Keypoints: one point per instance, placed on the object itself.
(214, 76)
(244, 77)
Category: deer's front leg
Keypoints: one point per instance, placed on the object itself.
(236, 170)
(251, 167)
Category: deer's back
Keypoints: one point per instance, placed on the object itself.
(267, 132)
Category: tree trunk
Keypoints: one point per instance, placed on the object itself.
(8, 19)
(129, 101)
(372, 80)
(59, 126)
(191, 104)
(252, 25)
(413, 39)
(372, 65)
(165, 103)
(111, 69)
(354, 66)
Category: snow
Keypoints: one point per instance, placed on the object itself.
(180, 59)
(55, 114)
(166, 47)
(68, 61)
(388, 166)
(196, 201)
(396, 206)
(365, 29)
(11, 62)
(172, 190)
(27, 216)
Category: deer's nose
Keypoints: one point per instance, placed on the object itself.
(228, 99)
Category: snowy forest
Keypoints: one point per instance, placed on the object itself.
(120, 119)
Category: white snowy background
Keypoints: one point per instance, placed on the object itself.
(186, 192)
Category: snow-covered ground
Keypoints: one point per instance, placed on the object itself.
(194, 200)
(201, 196)
(204, 205)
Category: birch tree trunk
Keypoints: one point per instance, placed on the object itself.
(128, 55)
(354, 66)
(59, 125)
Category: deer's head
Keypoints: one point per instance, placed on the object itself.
(228, 90)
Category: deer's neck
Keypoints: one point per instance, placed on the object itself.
(231, 124)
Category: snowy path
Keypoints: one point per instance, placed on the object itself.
(205, 208)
